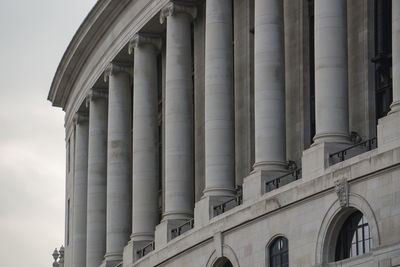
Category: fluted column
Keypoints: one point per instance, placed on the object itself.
(145, 127)
(178, 113)
(269, 92)
(80, 190)
(97, 177)
(331, 83)
(396, 55)
(119, 178)
(219, 112)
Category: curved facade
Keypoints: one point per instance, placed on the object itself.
(233, 133)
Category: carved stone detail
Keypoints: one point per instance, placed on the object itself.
(115, 67)
(173, 8)
(342, 191)
(80, 117)
(96, 93)
(145, 38)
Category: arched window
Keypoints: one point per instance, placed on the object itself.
(279, 253)
(223, 262)
(354, 237)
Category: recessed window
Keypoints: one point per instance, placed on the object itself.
(279, 253)
(383, 57)
(223, 262)
(354, 238)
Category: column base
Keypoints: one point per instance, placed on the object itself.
(254, 185)
(111, 260)
(163, 231)
(316, 159)
(389, 132)
(337, 138)
(204, 209)
(219, 192)
(177, 215)
(131, 255)
(138, 237)
(273, 166)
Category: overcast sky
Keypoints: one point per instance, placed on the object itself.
(34, 34)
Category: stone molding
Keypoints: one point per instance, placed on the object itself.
(173, 8)
(96, 93)
(80, 117)
(331, 224)
(227, 252)
(116, 67)
(342, 191)
(140, 39)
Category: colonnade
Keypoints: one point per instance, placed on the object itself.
(121, 199)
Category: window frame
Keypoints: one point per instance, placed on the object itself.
(270, 254)
(349, 235)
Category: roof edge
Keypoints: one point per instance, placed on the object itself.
(72, 47)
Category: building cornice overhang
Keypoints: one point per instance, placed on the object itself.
(79, 49)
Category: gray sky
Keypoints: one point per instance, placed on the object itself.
(33, 37)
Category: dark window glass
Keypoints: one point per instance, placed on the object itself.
(383, 57)
(312, 66)
(160, 132)
(279, 253)
(354, 237)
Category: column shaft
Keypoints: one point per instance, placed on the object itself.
(219, 112)
(331, 83)
(178, 116)
(97, 178)
(396, 55)
(269, 92)
(80, 191)
(119, 178)
(145, 149)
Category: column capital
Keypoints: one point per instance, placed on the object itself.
(80, 117)
(115, 67)
(96, 93)
(173, 8)
(145, 38)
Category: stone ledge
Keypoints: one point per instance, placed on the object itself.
(367, 165)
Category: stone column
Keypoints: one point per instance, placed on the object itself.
(178, 113)
(119, 146)
(332, 122)
(396, 55)
(80, 190)
(145, 141)
(97, 177)
(219, 112)
(269, 91)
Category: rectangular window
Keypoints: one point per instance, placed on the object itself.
(312, 67)
(383, 57)
(160, 131)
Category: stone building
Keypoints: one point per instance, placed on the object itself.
(233, 133)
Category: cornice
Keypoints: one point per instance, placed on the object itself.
(173, 8)
(81, 46)
(101, 55)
